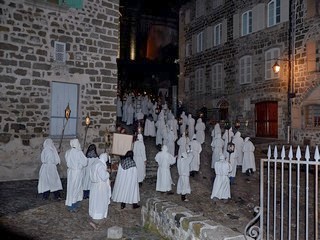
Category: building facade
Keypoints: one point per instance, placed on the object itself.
(227, 50)
(55, 54)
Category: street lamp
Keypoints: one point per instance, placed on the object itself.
(87, 122)
(67, 113)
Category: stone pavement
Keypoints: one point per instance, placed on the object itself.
(24, 215)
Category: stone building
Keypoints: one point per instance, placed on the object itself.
(52, 56)
(227, 50)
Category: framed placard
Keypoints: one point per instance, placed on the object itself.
(121, 143)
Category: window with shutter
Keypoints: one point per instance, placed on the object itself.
(271, 57)
(217, 34)
(199, 80)
(199, 42)
(63, 94)
(273, 12)
(216, 76)
(59, 52)
(245, 69)
(217, 3)
(246, 23)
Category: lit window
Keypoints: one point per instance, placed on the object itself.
(273, 12)
(271, 57)
(246, 23)
(216, 76)
(217, 34)
(63, 94)
(312, 116)
(200, 42)
(245, 69)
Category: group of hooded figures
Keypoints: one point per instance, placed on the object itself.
(88, 175)
(226, 160)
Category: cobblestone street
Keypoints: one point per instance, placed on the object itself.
(24, 215)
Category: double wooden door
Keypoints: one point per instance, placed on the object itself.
(267, 119)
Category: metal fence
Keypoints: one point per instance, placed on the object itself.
(289, 196)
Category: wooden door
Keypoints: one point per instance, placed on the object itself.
(267, 119)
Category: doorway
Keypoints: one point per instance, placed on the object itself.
(266, 118)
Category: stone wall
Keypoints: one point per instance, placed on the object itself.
(254, 44)
(176, 222)
(28, 31)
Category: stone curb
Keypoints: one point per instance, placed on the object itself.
(177, 222)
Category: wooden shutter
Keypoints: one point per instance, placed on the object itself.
(236, 26)
(284, 10)
(258, 17)
(224, 31)
(78, 4)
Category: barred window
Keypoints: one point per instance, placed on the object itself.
(60, 52)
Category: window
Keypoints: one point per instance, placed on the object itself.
(200, 7)
(217, 34)
(246, 23)
(245, 69)
(186, 84)
(271, 57)
(200, 42)
(273, 12)
(217, 3)
(70, 3)
(62, 95)
(317, 56)
(199, 80)
(312, 116)
(187, 17)
(216, 76)
(188, 49)
(59, 52)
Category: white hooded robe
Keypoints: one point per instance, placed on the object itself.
(140, 158)
(183, 165)
(100, 192)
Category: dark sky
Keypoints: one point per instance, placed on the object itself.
(155, 8)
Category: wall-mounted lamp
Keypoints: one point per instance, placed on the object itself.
(87, 122)
(67, 113)
(276, 67)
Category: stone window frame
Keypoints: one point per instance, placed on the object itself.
(217, 34)
(62, 94)
(245, 69)
(246, 23)
(274, 13)
(217, 74)
(271, 56)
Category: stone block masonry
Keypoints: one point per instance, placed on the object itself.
(28, 32)
(177, 222)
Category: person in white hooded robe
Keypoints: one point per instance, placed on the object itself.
(249, 164)
(227, 138)
(200, 128)
(149, 127)
(217, 148)
(49, 179)
(140, 158)
(191, 124)
(91, 155)
(183, 165)
(100, 191)
(221, 185)
(184, 120)
(183, 143)
(126, 186)
(76, 162)
(238, 142)
(195, 148)
(164, 180)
